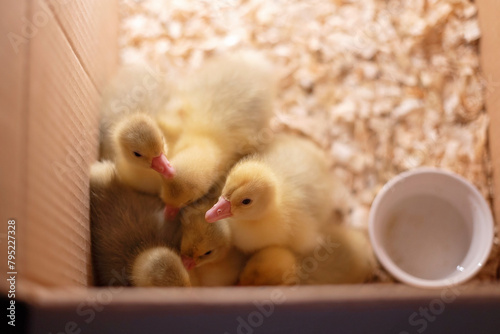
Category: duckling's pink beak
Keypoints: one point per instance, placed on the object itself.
(221, 210)
(170, 212)
(163, 166)
(188, 262)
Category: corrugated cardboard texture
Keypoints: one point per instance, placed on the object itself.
(89, 28)
(61, 142)
(490, 52)
(13, 117)
(59, 123)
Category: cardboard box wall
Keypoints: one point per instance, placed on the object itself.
(56, 57)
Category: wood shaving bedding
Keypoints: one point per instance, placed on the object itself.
(383, 85)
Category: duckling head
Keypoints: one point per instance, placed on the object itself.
(141, 143)
(248, 194)
(159, 266)
(202, 243)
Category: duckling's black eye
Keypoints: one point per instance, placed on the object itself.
(246, 201)
(137, 154)
(208, 253)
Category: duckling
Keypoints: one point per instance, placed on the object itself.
(279, 197)
(130, 134)
(131, 245)
(273, 265)
(159, 266)
(206, 249)
(343, 256)
(225, 105)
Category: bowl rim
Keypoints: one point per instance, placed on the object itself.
(402, 275)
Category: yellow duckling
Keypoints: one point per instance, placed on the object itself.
(225, 106)
(343, 256)
(130, 134)
(278, 197)
(206, 249)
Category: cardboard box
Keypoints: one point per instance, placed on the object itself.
(56, 56)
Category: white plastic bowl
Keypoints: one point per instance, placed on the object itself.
(431, 228)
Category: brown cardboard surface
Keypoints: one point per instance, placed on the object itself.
(183, 297)
(13, 117)
(53, 127)
(490, 52)
(378, 308)
(61, 144)
(49, 120)
(91, 32)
